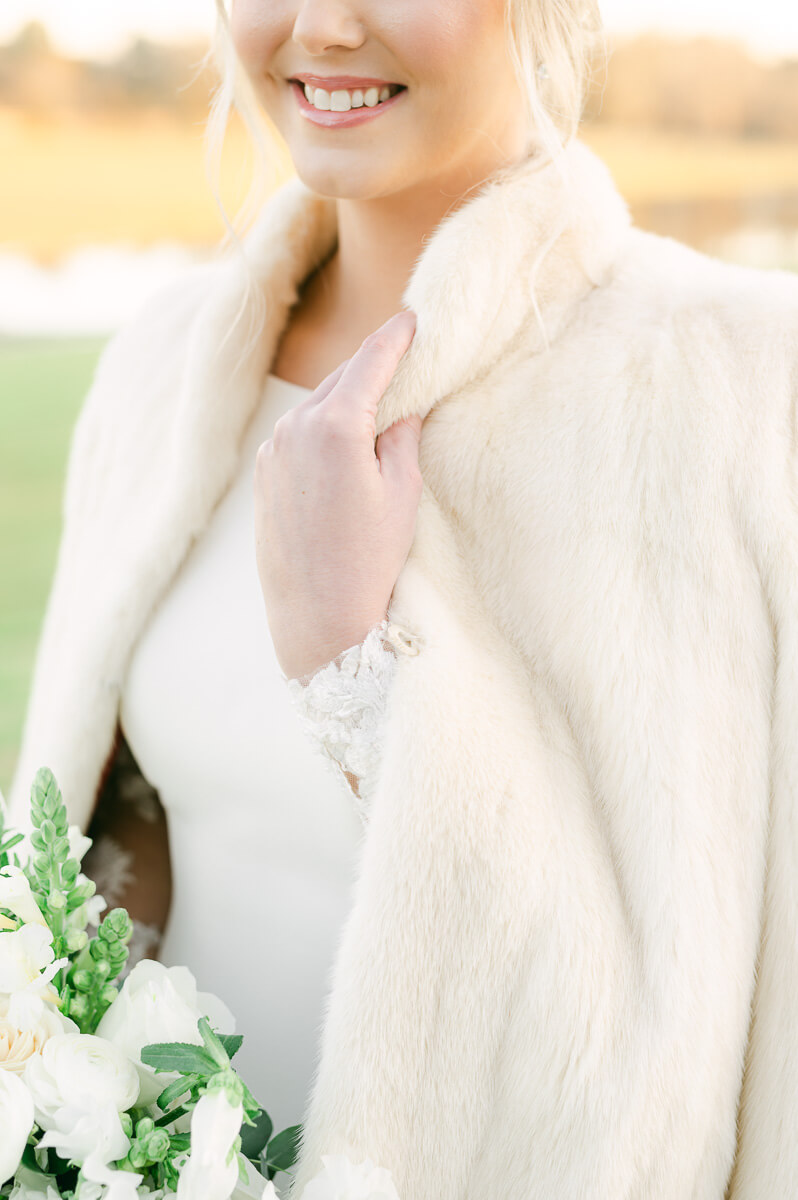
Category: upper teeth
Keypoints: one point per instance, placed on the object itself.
(342, 101)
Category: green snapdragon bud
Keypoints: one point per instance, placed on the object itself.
(76, 940)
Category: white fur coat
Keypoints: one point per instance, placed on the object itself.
(571, 965)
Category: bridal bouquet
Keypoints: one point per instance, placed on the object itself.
(114, 1091)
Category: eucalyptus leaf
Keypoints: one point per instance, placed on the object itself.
(255, 1137)
(283, 1150)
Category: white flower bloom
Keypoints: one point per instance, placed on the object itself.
(78, 843)
(26, 959)
(80, 1084)
(94, 907)
(211, 1172)
(26, 1024)
(116, 1185)
(255, 1187)
(16, 1122)
(17, 897)
(341, 1179)
(160, 1004)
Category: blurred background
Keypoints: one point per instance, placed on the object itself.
(103, 198)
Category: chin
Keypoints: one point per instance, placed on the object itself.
(342, 180)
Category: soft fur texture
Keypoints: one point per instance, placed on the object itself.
(571, 965)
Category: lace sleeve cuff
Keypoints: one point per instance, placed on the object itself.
(342, 706)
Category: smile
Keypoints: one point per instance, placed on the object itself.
(361, 106)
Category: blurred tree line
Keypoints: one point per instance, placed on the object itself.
(698, 85)
(148, 74)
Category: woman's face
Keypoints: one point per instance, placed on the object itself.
(460, 115)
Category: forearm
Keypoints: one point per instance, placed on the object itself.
(129, 859)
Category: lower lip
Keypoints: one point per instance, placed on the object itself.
(342, 120)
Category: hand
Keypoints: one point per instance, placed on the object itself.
(335, 513)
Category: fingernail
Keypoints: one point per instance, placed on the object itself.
(405, 315)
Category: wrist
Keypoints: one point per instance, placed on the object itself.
(304, 660)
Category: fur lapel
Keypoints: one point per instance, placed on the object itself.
(158, 440)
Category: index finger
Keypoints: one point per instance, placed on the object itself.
(372, 367)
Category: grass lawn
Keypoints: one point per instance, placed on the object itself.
(42, 386)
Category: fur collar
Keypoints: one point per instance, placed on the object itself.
(519, 254)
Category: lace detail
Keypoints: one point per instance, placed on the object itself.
(342, 706)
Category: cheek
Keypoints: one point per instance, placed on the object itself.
(455, 41)
(255, 29)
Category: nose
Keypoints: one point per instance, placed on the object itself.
(322, 25)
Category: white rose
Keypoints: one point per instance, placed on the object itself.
(27, 960)
(341, 1177)
(80, 1084)
(16, 896)
(211, 1172)
(26, 1024)
(16, 1122)
(160, 1004)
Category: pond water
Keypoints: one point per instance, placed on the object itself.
(98, 288)
(93, 291)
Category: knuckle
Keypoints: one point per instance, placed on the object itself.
(264, 455)
(330, 423)
(377, 341)
(280, 431)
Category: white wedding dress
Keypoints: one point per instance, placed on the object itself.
(263, 833)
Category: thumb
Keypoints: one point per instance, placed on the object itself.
(397, 446)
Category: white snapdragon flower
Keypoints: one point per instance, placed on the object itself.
(16, 896)
(341, 1179)
(255, 1187)
(211, 1172)
(16, 1122)
(26, 1025)
(78, 843)
(80, 1084)
(159, 1004)
(27, 960)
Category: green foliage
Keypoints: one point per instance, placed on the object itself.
(281, 1152)
(54, 876)
(90, 988)
(87, 987)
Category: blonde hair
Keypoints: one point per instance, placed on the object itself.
(553, 46)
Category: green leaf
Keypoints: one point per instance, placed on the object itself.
(232, 1043)
(283, 1150)
(171, 1116)
(212, 1043)
(177, 1088)
(251, 1106)
(179, 1056)
(255, 1137)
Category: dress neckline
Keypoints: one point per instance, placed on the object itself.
(288, 383)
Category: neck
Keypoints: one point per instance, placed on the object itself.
(379, 243)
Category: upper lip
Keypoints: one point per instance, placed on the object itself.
(330, 82)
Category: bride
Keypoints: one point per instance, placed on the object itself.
(525, 926)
